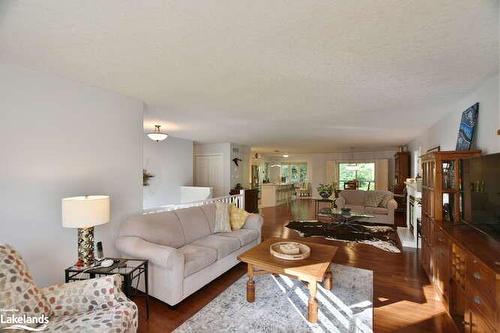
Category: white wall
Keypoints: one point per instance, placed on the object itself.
(317, 163)
(444, 132)
(57, 139)
(171, 163)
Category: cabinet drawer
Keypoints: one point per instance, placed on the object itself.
(484, 303)
(478, 322)
(480, 278)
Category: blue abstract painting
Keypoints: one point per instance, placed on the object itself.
(467, 126)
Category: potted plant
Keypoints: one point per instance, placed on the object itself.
(325, 190)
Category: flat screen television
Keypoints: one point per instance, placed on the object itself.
(481, 193)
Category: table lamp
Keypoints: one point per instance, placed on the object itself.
(85, 212)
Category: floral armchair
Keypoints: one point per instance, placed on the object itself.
(95, 305)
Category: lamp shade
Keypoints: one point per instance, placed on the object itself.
(85, 211)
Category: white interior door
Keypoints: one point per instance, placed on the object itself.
(208, 171)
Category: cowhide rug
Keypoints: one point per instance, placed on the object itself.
(378, 235)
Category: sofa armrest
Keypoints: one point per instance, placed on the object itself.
(254, 221)
(160, 255)
(392, 204)
(85, 295)
(340, 202)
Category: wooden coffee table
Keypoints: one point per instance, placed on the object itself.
(312, 270)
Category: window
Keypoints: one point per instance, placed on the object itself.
(293, 172)
(364, 173)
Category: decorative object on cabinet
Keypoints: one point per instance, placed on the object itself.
(434, 149)
(145, 177)
(466, 128)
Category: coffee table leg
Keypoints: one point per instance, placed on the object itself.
(250, 285)
(312, 314)
(328, 280)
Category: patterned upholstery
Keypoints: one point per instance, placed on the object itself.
(95, 305)
(18, 292)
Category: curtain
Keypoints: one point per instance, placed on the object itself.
(332, 172)
(382, 174)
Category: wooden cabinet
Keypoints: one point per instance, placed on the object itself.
(401, 172)
(476, 322)
(461, 262)
(401, 169)
(441, 185)
(440, 255)
(426, 245)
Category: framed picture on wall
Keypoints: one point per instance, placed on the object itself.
(467, 127)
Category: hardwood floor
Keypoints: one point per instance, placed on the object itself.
(404, 301)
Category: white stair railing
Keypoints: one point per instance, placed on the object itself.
(237, 199)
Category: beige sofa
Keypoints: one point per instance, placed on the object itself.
(355, 199)
(184, 252)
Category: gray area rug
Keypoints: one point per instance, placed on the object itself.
(281, 306)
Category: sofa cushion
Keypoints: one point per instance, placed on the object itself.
(223, 245)
(197, 258)
(245, 236)
(159, 228)
(355, 208)
(194, 223)
(209, 211)
(376, 210)
(353, 197)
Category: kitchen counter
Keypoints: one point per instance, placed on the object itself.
(276, 194)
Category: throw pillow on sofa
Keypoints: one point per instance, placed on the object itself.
(373, 199)
(385, 200)
(18, 291)
(238, 217)
(222, 217)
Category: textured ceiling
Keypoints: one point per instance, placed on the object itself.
(300, 76)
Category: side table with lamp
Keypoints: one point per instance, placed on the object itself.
(85, 212)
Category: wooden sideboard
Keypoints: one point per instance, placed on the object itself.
(401, 173)
(401, 169)
(462, 263)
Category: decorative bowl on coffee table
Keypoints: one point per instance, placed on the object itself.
(284, 250)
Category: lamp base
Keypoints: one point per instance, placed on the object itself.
(86, 246)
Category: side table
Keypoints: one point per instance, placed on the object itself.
(130, 269)
(317, 202)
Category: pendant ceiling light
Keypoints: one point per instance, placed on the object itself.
(157, 135)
